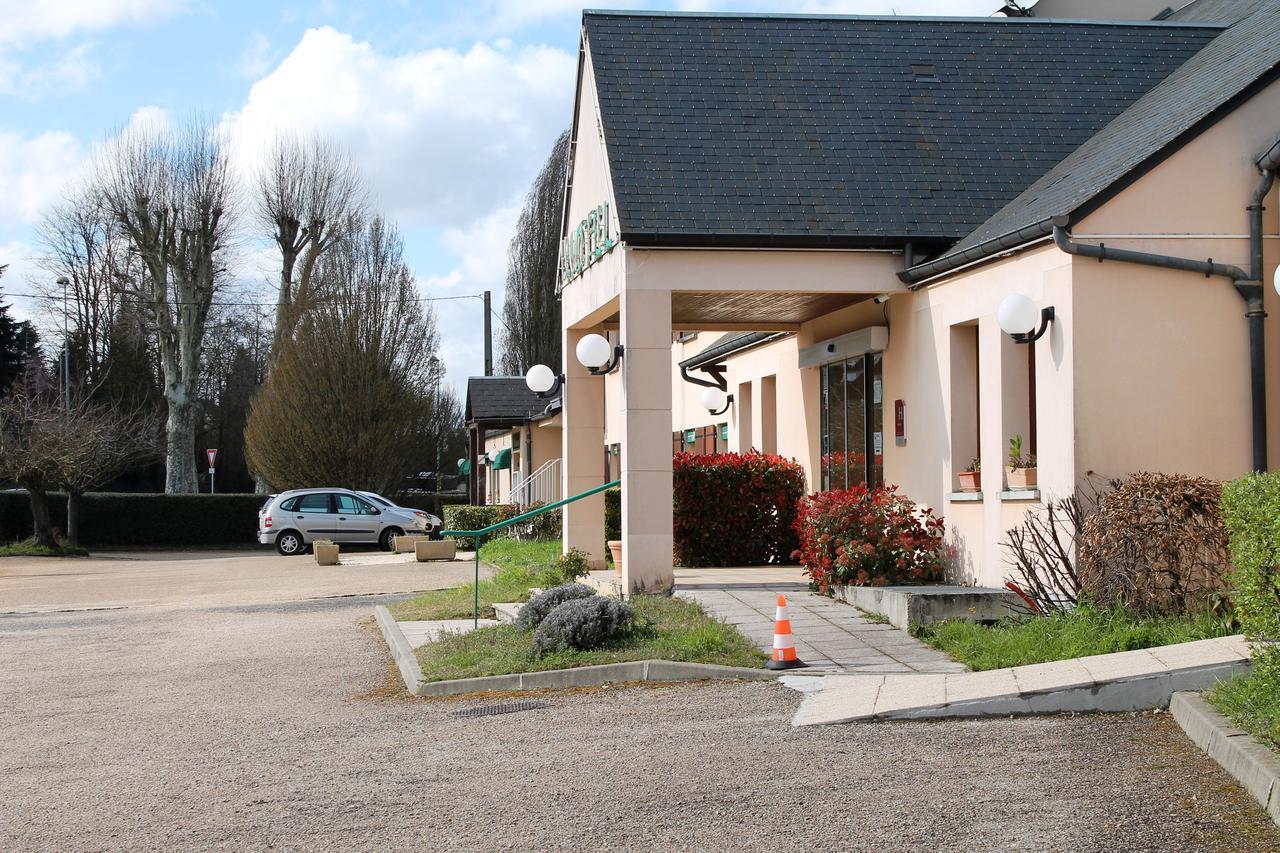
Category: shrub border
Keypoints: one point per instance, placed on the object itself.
(582, 676)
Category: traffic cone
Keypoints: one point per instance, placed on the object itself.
(784, 650)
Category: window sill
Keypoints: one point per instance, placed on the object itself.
(964, 497)
(1020, 495)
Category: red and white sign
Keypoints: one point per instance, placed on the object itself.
(212, 453)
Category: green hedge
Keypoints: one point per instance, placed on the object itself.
(467, 517)
(613, 514)
(1251, 512)
(110, 518)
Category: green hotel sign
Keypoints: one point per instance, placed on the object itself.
(586, 244)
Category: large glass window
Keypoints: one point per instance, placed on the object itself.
(852, 412)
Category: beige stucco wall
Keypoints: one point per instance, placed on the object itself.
(498, 483)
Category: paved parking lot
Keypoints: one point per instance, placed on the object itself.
(252, 722)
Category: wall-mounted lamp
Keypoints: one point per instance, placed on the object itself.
(594, 353)
(1275, 280)
(1018, 316)
(716, 401)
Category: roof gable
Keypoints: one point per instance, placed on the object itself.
(749, 130)
(501, 399)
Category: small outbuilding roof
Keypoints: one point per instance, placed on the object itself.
(1173, 112)
(728, 345)
(776, 130)
(501, 400)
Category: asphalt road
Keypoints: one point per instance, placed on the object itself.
(279, 724)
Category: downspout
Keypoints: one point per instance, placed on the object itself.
(1247, 284)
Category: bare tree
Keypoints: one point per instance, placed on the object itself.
(531, 310)
(45, 446)
(350, 398)
(306, 193)
(172, 193)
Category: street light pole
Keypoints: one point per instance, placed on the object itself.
(66, 346)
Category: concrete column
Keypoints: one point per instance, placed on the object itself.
(646, 441)
(582, 453)
(744, 419)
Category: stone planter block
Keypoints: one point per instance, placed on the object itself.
(435, 549)
(405, 544)
(326, 555)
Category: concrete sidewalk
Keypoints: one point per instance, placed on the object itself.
(830, 637)
(1124, 681)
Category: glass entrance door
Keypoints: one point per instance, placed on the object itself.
(852, 413)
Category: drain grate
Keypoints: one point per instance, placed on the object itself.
(504, 708)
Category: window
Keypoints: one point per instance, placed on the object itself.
(314, 504)
(852, 413)
(965, 422)
(352, 505)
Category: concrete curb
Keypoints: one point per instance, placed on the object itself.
(582, 676)
(1253, 765)
(401, 651)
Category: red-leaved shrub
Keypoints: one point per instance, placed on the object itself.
(735, 509)
(864, 536)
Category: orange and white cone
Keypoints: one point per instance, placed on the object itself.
(784, 648)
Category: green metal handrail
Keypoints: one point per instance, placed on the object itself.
(533, 513)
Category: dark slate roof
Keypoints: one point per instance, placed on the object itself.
(802, 130)
(1231, 63)
(728, 345)
(1227, 11)
(504, 399)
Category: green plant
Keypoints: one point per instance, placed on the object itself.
(323, 542)
(572, 565)
(975, 467)
(864, 536)
(1016, 459)
(541, 605)
(582, 624)
(1156, 544)
(613, 514)
(544, 527)
(735, 509)
(467, 517)
(1087, 630)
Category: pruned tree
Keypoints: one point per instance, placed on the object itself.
(45, 446)
(306, 193)
(349, 401)
(531, 307)
(172, 193)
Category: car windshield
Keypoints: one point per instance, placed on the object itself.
(377, 498)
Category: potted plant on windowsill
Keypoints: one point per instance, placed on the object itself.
(1021, 470)
(971, 477)
(326, 552)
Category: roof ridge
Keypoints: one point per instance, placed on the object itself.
(995, 20)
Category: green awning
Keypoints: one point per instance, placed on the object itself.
(503, 460)
(465, 468)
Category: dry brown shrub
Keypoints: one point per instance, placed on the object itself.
(1156, 545)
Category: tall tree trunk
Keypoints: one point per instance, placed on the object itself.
(180, 455)
(73, 518)
(40, 517)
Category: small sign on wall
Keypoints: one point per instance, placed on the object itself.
(899, 423)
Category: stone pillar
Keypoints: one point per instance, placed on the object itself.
(582, 453)
(646, 441)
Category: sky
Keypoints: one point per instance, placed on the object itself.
(449, 109)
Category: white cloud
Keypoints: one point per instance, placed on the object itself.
(70, 72)
(256, 57)
(26, 21)
(34, 172)
(444, 136)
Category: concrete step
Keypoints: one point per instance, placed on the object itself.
(1124, 681)
(507, 612)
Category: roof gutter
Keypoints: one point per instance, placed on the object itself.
(919, 274)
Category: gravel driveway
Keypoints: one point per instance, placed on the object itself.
(281, 725)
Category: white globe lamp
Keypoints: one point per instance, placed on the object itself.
(714, 400)
(594, 351)
(540, 379)
(1017, 314)
(1275, 280)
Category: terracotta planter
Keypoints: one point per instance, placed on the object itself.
(615, 550)
(1021, 478)
(970, 481)
(326, 555)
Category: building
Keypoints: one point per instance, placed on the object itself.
(513, 441)
(824, 214)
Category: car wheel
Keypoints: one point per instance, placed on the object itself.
(289, 543)
(384, 541)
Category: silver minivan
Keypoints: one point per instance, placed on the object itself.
(293, 520)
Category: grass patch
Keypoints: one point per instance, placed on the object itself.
(1253, 703)
(519, 565)
(873, 617)
(667, 629)
(30, 548)
(1085, 631)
